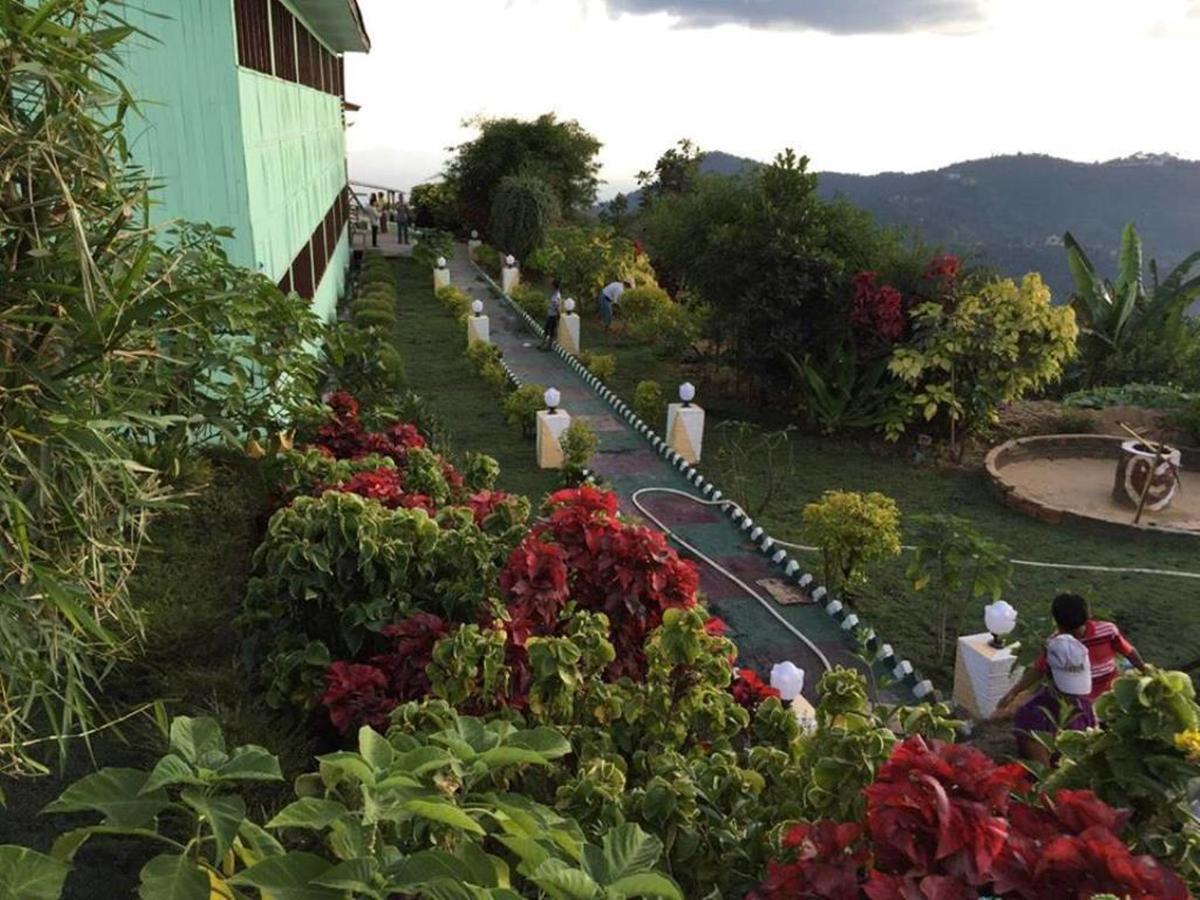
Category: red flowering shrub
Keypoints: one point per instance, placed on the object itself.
(878, 309)
(749, 690)
(942, 824)
(828, 856)
(342, 434)
(385, 485)
(356, 695)
(626, 571)
(484, 503)
(412, 648)
(944, 269)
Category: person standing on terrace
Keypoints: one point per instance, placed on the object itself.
(401, 216)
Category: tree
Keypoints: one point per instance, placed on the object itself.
(523, 210)
(562, 154)
(615, 213)
(676, 172)
(971, 353)
(435, 205)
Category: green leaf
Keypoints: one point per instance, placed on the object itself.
(116, 794)
(193, 739)
(308, 812)
(626, 850)
(420, 761)
(28, 875)
(425, 867)
(558, 879)
(224, 815)
(374, 748)
(646, 884)
(357, 875)
(173, 877)
(526, 849)
(67, 845)
(545, 741)
(250, 763)
(171, 769)
(446, 813)
(289, 877)
(511, 756)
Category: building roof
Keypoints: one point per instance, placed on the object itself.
(338, 23)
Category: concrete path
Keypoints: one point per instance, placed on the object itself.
(626, 462)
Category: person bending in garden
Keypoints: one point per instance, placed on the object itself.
(553, 309)
(609, 297)
(1104, 641)
(1064, 700)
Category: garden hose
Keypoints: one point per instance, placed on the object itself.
(708, 560)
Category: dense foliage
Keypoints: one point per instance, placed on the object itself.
(852, 531)
(561, 154)
(523, 209)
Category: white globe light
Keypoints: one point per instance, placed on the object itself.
(687, 392)
(1000, 619)
(788, 679)
(569, 305)
(477, 307)
(441, 262)
(510, 260)
(552, 398)
(474, 235)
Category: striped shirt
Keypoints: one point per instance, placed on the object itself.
(1104, 642)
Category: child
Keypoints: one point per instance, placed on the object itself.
(553, 308)
(1062, 702)
(1103, 640)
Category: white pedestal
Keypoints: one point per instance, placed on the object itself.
(441, 278)
(568, 333)
(510, 277)
(983, 674)
(472, 246)
(685, 430)
(550, 427)
(478, 330)
(805, 714)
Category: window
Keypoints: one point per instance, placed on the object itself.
(302, 273)
(253, 34)
(283, 28)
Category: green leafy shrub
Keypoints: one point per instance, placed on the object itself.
(374, 303)
(672, 330)
(648, 402)
(955, 566)
(523, 209)
(486, 360)
(455, 300)
(644, 302)
(489, 259)
(1149, 396)
(435, 206)
(991, 346)
(1189, 421)
(531, 299)
(433, 244)
(522, 406)
(480, 472)
(852, 530)
(585, 258)
(365, 363)
(383, 319)
(579, 444)
(603, 366)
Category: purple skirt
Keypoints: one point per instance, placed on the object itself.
(1048, 711)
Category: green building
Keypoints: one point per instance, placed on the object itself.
(242, 123)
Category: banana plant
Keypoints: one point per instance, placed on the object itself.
(1112, 313)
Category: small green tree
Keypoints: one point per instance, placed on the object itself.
(522, 406)
(648, 401)
(522, 212)
(955, 566)
(853, 530)
(969, 355)
(579, 444)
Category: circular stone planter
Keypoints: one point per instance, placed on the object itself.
(1069, 478)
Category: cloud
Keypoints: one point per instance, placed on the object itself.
(834, 16)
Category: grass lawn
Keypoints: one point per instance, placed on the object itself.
(1155, 612)
(432, 343)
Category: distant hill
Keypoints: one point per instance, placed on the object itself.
(1011, 211)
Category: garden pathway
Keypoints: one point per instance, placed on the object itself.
(627, 463)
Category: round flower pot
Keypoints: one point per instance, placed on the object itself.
(1139, 463)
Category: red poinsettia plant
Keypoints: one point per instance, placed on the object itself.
(750, 690)
(943, 822)
(878, 309)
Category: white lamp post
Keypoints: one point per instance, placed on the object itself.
(441, 275)
(687, 393)
(568, 328)
(552, 422)
(569, 305)
(477, 307)
(479, 328)
(552, 398)
(685, 425)
(473, 243)
(984, 667)
(510, 275)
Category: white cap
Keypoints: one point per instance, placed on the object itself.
(1069, 665)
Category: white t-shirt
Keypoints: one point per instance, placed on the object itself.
(614, 291)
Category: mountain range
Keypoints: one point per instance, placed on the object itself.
(1011, 212)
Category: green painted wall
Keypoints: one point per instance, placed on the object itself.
(295, 150)
(188, 133)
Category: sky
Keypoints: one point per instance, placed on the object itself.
(857, 85)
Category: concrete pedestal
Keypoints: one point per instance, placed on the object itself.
(441, 278)
(478, 330)
(685, 430)
(510, 277)
(550, 427)
(568, 333)
(472, 246)
(983, 674)
(805, 714)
